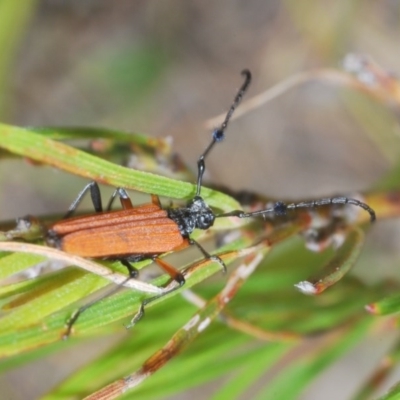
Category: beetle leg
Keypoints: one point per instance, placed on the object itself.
(74, 317)
(155, 200)
(140, 314)
(133, 272)
(170, 270)
(95, 195)
(123, 198)
(175, 275)
(208, 256)
(126, 201)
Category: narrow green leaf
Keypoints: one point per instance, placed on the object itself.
(247, 375)
(392, 394)
(186, 371)
(36, 147)
(344, 258)
(14, 263)
(386, 306)
(293, 379)
(47, 297)
(80, 132)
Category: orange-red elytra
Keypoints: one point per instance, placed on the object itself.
(146, 229)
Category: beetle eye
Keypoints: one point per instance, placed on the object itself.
(204, 221)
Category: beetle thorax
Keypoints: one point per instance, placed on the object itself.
(197, 214)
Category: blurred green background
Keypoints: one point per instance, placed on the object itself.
(163, 68)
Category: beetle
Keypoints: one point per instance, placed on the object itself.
(143, 232)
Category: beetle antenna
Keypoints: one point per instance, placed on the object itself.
(218, 134)
(280, 208)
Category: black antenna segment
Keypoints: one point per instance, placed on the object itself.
(218, 134)
(280, 208)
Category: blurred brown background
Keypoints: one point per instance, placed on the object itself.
(163, 68)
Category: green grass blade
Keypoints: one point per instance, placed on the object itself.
(252, 370)
(17, 262)
(293, 379)
(35, 146)
(392, 394)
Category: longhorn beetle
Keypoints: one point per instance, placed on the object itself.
(145, 232)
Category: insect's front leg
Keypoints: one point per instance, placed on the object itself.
(95, 195)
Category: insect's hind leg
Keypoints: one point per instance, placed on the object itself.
(95, 195)
(125, 200)
(133, 273)
(175, 275)
(76, 314)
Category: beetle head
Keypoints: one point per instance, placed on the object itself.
(202, 213)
